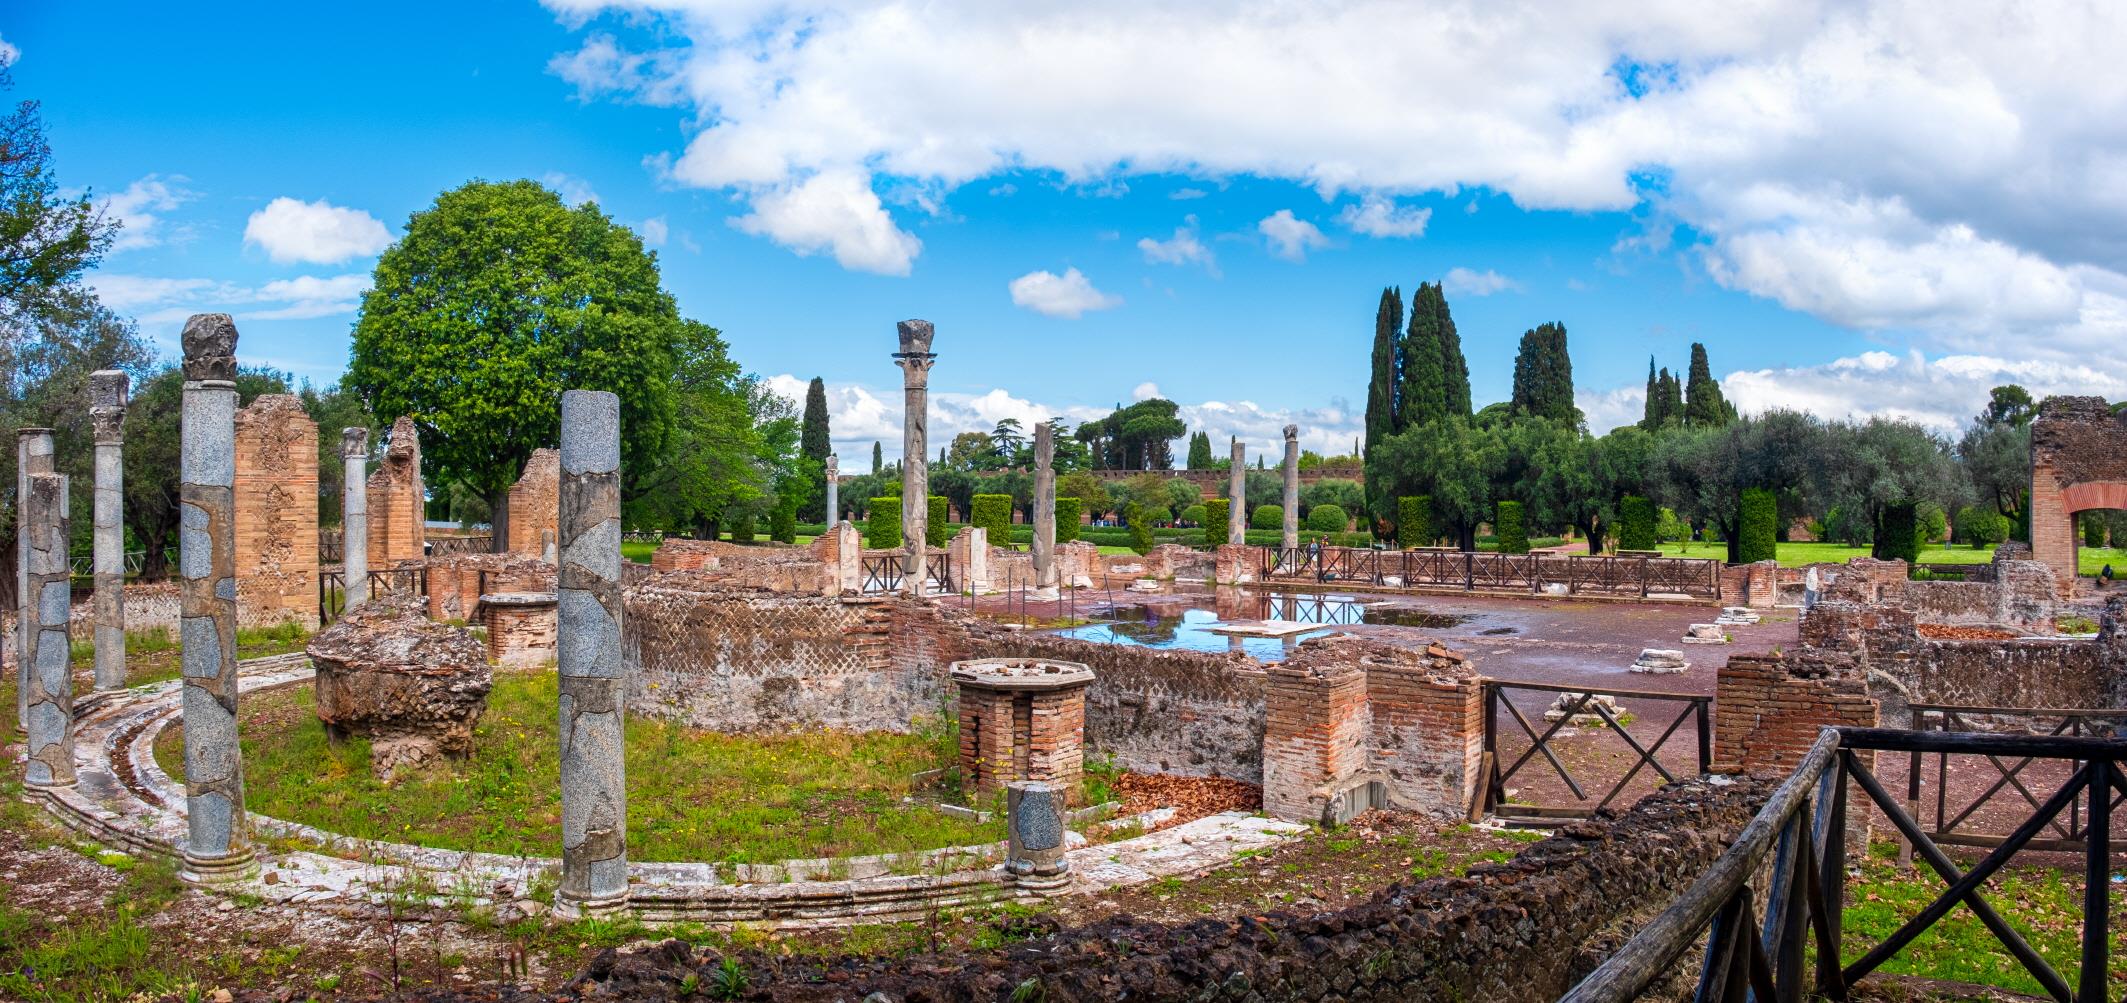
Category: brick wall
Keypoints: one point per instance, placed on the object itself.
(520, 634)
(276, 518)
(1768, 709)
(455, 581)
(535, 501)
(1193, 713)
(397, 509)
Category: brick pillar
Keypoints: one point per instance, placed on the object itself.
(2053, 536)
(520, 628)
(1313, 735)
(532, 503)
(277, 510)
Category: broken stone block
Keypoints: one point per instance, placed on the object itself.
(414, 687)
(1587, 718)
(1705, 633)
(1735, 615)
(1660, 661)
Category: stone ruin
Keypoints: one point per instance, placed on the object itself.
(534, 520)
(2078, 463)
(277, 511)
(414, 687)
(1660, 661)
(1021, 719)
(397, 501)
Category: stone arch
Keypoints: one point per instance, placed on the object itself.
(2078, 463)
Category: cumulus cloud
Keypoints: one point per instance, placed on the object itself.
(1184, 248)
(162, 300)
(655, 231)
(1145, 391)
(1375, 216)
(139, 210)
(1290, 237)
(1068, 295)
(8, 53)
(573, 190)
(1476, 283)
(318, 233)
(834, 211)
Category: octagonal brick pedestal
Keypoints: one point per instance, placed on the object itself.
(1022, 719)
(520, 627)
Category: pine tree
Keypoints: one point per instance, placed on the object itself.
(1543, 376)
(1703, 404)
(1200, 451)
(1381, 386)
(876, 464)
(812, 436)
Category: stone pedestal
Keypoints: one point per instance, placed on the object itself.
(1021, 719)
(414, 687)
(969, 551)
(33, 455)
(354, 516)
(50, 724)
(520, 627)
(915, 359)
(218, 843)
(594, 793)
(1237, 496)
(1034, 814)
(107, 414)
(1045, 509)
(1660, 661)
(1291, 538)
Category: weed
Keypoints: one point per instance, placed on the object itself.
(1030, 991)
(730, 981)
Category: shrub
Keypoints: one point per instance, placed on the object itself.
(1899, 539)
(1981, 525)
(1194, 515)
(1934, 524)
(2093, 530)
(1140, 527)
(993, 515)
(742, 525)
(1414, 521)
(1067, 515)
(1267, 517)
(1327, 519)
(882, 531)
(783, 522)
(1507, 526)
(1668, 528)
(1636, 524)
(1844, 525)
(1218, 513)
(1757, 526)
(936, 529)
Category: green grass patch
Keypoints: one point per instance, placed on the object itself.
(692, 795)
(1795, 555)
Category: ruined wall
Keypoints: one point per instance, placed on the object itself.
(397, 501)
(455, 581)
(276, 520)
(535, 517)
(1768, 710)
(1354, 723)
(2078, 462)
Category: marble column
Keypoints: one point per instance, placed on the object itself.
(354, 516)
(1237, 495)
(1035, 850)
(915, 359)
(594, 792)
(1045, 508)
(834, 490)
(107, 415)
(33, 455)
(218, 845)
(51, 685)
(1292, 487)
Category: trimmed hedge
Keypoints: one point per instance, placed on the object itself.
(1508, 528)
(783, 523)
(1636, 521)
(1067, 515)
(2093, 530)
(1328, 519)
(1899, 537)
(742, 525)
(1267, 517)
(1140, 527)
(1218, 512)
(1414, 521)
(1758, 526)
(1193, 515)
(936, 531)
(993, 515)
(882, 530)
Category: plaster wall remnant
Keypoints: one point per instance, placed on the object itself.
(277, 509)
(1291, 538)
(218, 844)
(50, 726)
(1237, 495)
(915, 359)
(594, 793)
(397, 501)
(532, 503)
(1045, 579)
(2078, 463)
(107, 416)
(33, 455)
(969, 552)
(354, 516)
(414, 687)
(1022, 719)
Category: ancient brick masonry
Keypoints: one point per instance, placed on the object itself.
(532, 500)
(277, 511)
(520, 627)
(397, 509)
(1021, 719)
(2078, 462)
(456, 581)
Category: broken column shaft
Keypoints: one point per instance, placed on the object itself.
(107, 413)
(915, 359)
(354, 516)
(50, 724)
(594, 796)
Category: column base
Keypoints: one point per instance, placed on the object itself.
(1048, 594)
(224, 870)
(571, 908)
(1043, 885)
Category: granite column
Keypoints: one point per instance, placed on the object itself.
(33, 455)
(834, 490)
(50, 723)
(1045, 508)
(594, 793)
(107, 414)
(915, 359)
(1292, 487)
(218, 847)
(1237, 495)
(354, 516)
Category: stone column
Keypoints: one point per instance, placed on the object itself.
(51, 685)
(1292, 486)
(594, 794)
(1035, 854)
(354, 516)
(1237, 495)
(33, 455)
(915, 359)
(834, 490)
(1045, 510)
(107, 415)
(218, 847)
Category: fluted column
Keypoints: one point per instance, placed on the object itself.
(594, 791)
(107, 414)
(50, 724)
(1237, 495)
(1292, 486)
(354, 516)
(915, 359)
(218, 845)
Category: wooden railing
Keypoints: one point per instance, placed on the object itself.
(1699, 578)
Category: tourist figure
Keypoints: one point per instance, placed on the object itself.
(1809, 589)
(2104, 577)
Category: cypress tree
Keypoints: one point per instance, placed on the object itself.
(1200, 451)
(1650, 414)
(876, 464)
(812, 438)
(1669, 398)
(1421, 391)
(1453, 367)
(1543, 376)
(1703, 404)
(1381, 386)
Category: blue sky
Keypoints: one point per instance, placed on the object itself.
(1093, 204)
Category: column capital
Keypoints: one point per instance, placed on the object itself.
(354, 443)
(210, 348)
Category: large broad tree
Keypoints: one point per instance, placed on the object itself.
(731, 434)
(1996, 455)
(1887, 469)
(1543, 376)
(498, 298)
(1454, 460)
(1138, 437)
(48, 235)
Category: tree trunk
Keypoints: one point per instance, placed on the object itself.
(498, 506)
(9, 601)
(1735, 549)
(154, 566)
(1591, 529)
(1466, 537)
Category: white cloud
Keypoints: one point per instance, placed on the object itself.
(600, 67)
(655, 231)
(8, 53)
(1066, 295)
(157, 300)
(574, 191)
(1184, 194)
(1290, 237)
(1181, 249)
(318, 233)
(139, 208)
(838, 211)
(1375, 216)
(1475, 283)
(308, 296)
(1943, 393)
(1145, 391)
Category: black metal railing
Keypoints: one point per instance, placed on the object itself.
(444, 546)
(1495, 773)
(1335, 610)
(1696, 577)
(1802, 831)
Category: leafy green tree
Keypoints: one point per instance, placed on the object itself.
(1636, 522)
(936, 527)
(498, 298)
(1995, 453)
(1008, 440)
(1543, 376)
(1140, 523)
(993, 514)
(815, 443)
(876, 465)
(1138, 437)
(1194, 515)
(1981, 526)
(1344, 494)
(152, 451)
(1434, 380)
(730, 436)
(1454, 461)
(1884, 470)
(882, 526)
(1651, 414)
(2008, 404)
(48, 235)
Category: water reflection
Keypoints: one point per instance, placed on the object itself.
(1148, 627)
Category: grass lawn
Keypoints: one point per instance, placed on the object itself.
(1795, 555)
(639, 551)
(692, 795)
